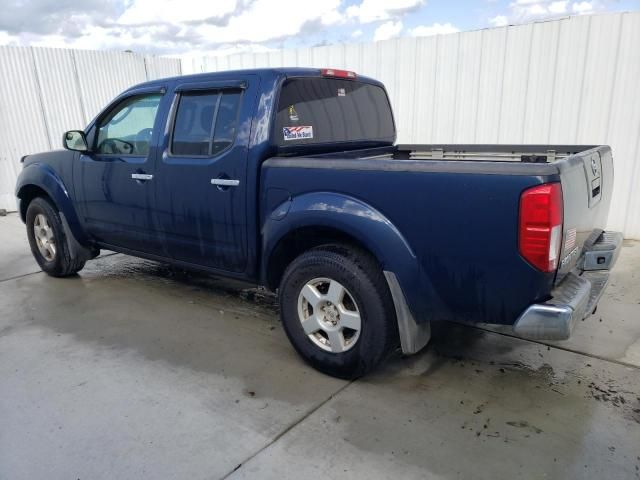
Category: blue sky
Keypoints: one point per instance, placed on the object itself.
(179, 27)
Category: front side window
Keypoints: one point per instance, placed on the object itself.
(127, 129)
(205, 123)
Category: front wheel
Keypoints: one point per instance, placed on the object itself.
(48, 241)
(337, 310)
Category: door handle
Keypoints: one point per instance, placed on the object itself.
(225, 182)
(142, 176)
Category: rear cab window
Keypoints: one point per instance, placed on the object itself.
(205, 123)
(320, 110)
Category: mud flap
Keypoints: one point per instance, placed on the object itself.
(413, 336)
(76, 250)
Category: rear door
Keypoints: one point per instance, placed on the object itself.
(201, 175)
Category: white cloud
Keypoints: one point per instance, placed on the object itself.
(375, 10)
(558, 7)
(333, 17)
(499, 21)
(387, 30)
(435, 29)
(229, 49)
(178, 26)
(521, 11)
(535, 9)
(151, 11)
(5, 38)
(582, 7)
(263, 21)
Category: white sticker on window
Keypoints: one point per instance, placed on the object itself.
(297, 133)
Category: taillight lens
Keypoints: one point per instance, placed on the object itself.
(334, 72)
(540, 233)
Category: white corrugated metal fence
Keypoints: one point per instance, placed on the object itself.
(569, 81)
(573, 80)
(45, 91)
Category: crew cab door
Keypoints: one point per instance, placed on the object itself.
(201, 173)
(115, 179)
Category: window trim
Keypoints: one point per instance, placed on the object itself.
(211, 86)
(115, 105)
(183, 90)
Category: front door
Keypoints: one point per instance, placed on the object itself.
(201, 174)
(114, 181)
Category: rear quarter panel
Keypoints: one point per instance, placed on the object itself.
(461, 226)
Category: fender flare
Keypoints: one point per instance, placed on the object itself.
(373, 230)
(44, 177)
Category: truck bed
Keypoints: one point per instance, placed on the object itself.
(457, 207)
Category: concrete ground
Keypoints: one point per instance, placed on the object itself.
(136, 370)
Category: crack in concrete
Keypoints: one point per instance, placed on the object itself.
(293, 425)
(551, 345)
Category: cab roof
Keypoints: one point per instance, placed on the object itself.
(260, 72)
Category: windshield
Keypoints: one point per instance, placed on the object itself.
(328, 110)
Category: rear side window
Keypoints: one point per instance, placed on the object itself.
(328, 110)
(205, 123)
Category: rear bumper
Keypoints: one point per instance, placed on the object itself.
(575, 297)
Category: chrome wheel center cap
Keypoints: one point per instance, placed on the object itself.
(331, 314)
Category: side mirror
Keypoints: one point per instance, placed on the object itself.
(75, 140)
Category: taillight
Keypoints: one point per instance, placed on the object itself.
(540, 232)
(334, 72)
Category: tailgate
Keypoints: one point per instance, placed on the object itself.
(587, 183)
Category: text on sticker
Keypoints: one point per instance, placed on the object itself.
(297, 133)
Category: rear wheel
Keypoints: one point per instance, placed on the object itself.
(48, 240)
(337, 310)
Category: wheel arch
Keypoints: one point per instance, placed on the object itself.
(41, 180)
(327, 217)
(26, 194)
(297, 241)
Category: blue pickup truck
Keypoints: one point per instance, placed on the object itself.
(291, 179)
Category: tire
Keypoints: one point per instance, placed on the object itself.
(352, 352)
(50, 247)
